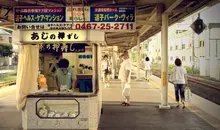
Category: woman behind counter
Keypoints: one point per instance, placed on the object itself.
(65, 77)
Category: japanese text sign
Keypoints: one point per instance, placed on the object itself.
(77, 13)
(53, 36)
(57, 47)
(112, 14)
(39, 14)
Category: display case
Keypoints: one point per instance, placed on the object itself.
(57, 109)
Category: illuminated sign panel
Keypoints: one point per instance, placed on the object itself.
(53, 36)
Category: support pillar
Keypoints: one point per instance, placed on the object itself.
(164, 64)
(138, 58)
(114, 62)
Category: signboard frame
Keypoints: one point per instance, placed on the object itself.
(79, 25)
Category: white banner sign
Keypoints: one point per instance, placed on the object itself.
(110, 26)
(77, 14)
(53, 36)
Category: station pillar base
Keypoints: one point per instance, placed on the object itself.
(164, 107)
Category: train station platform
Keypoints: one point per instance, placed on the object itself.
(142, 114)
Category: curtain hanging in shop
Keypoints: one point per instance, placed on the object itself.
(27, 73)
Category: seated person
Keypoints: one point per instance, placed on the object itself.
(65, 78)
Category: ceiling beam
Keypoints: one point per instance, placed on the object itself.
(113, 34)
(63, 2)
(101, 3)
(119, 44)
(6, 23)
(121, 36)
(173, 6)
(146, 22)
(142, 16)
(179, 10)
(183, 9)
(119, 33)
(115, 43)
(119, 39)
(145, 28)
(144, 2)
(144, 10)
(47, 3)
(10, 3)
(7, 3)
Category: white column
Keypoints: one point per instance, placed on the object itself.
(138, 58)
(114, 63)
(164, 64)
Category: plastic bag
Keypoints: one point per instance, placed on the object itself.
(127, 90)
(172, 76)
(188, 94)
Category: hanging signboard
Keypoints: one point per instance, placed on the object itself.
(77, 14)
(107, 19)
(58, 48)
(53, 36)
(39, 15)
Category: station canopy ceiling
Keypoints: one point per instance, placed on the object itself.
(148, 14)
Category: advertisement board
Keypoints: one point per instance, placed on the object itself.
(108, 19)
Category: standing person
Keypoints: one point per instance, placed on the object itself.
(120, 60)
(147, 68)
(179, 78)
(65, 77)
(125, 76)
(105, 65)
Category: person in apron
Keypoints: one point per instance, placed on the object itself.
(65, 77)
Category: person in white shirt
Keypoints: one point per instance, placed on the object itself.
(119, 62)
(179, 78)
(147, 68)
(105, 65)
(125, 75)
